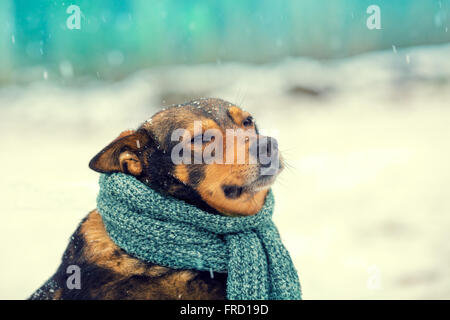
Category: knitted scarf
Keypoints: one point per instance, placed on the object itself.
(170, 232)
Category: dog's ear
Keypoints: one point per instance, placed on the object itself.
(122, 155)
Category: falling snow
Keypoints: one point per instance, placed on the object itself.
(367, 171)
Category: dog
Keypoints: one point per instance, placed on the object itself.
(235, 189)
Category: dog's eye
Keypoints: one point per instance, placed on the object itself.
(248, 122)
(196, 138)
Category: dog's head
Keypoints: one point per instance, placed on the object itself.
(207, 152)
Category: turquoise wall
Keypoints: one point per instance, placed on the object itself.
(119, 36)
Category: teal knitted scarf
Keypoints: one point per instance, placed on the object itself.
(170, 232)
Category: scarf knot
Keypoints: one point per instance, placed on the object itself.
(170, 232)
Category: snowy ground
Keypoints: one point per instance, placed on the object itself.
(364, 210)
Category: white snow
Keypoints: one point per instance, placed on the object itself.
(363, 207)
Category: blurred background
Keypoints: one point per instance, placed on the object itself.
(358, 97)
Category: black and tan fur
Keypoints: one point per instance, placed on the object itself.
(108, 272)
